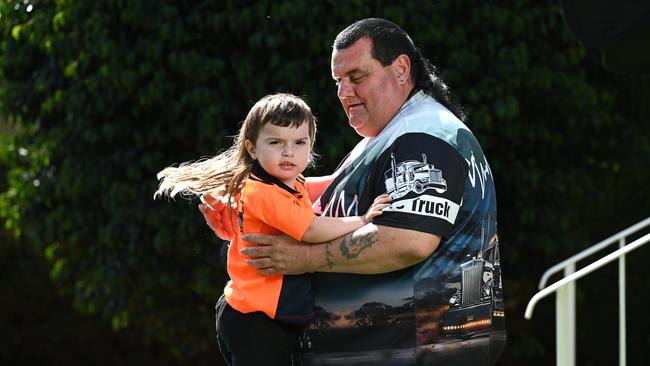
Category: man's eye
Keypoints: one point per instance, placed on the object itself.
(357, 79)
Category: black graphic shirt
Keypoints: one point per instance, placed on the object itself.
(447, 309)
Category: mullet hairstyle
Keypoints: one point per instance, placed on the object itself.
(388, 42)
(222, 176)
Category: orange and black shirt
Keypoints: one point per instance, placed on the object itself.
(269, 206)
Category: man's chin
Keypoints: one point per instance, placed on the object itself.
(356, 123)
(361, 130)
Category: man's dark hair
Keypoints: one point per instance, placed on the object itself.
(388, 42)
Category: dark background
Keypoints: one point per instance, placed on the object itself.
(97, 96)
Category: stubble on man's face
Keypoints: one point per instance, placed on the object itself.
(366, 89)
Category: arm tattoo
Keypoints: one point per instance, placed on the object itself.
(329, 256)
(351, 247)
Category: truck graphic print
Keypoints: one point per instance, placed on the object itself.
(477, 307)
(413, 176)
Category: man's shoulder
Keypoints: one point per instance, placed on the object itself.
(429, 116)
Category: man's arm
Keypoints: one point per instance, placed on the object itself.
(369, 250)
(317, 185)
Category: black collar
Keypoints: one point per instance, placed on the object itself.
(260, 175)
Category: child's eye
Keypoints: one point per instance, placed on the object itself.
(274, 142)
(301, 142)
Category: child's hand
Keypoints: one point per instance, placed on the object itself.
(216, 214)
(380, 203)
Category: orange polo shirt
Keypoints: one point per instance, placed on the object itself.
(269, 206)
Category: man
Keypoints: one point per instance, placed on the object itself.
(421, 285)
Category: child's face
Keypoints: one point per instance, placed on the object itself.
(282, 151)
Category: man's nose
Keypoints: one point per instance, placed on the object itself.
(345, 90)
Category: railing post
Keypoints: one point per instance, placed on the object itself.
(565, 308)
(565, 292)
(621, 307)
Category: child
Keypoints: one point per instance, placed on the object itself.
(264, 315)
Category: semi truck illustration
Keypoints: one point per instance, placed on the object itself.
(413, 175)
(477, 307)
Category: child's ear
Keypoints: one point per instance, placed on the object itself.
(250, 147)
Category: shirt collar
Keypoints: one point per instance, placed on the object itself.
(414, 99)
(263, 176)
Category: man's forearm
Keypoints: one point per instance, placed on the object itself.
(372, 249)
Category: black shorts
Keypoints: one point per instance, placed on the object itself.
(254, 339)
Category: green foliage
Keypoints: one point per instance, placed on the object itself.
(108, 92)
(46, 330)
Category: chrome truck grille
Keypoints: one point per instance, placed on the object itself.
(471, 285)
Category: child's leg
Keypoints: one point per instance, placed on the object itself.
(255, 339)
(225, 352)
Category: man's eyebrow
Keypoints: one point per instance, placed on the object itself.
(355, 71)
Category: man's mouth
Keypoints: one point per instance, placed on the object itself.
(355, 105)
(351, 106)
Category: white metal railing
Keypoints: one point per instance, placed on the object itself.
(565, 288)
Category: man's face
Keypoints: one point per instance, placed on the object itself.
(369, 92)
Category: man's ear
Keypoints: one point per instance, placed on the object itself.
(250, 147)
(402, 67)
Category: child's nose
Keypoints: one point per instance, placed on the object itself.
(288, 150)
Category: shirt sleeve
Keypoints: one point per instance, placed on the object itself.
(425, 176)
(280, 210)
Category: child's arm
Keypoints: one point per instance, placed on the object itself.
(329, 228)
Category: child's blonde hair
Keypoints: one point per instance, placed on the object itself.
(223, 175)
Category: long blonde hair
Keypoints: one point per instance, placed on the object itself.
(223, 175)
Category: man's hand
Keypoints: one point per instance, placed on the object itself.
(217, 216)
(277, 254)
